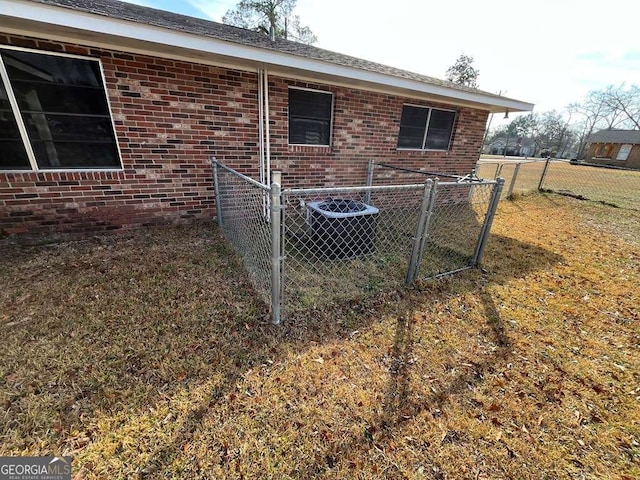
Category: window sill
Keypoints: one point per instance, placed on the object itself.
(66, 170)
(308, 145)
(420, 150)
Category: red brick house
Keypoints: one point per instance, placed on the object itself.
(619, 148)
(110, 113)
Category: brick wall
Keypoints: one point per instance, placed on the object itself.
(365, 126)
(172, 116)
(632, 161)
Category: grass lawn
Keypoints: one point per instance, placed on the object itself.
(616, 187)
(147, 355)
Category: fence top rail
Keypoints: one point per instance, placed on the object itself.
(461, 184)
(377, 188)
(240, 175)
(492, 161)
(506, 161)
(603, 166)
(413, 170)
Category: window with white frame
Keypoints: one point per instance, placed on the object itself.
(624, 152)
(310, 113)
(54, 113)
(424, 128)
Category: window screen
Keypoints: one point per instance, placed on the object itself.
(309, 117)
(412, 127)
(439, 130)
(423, 128)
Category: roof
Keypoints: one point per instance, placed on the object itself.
(118, 19)
(615, 136)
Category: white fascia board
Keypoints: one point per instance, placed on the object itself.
(112, 27)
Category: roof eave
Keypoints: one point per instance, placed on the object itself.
(59, 23)
(614, 142)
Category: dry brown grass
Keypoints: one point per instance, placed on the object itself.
(146, 356)
(607, 185)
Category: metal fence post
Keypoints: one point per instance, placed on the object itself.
(488, 221)
(367, 195)
(513, 181)
(276, 242)
(427, 225)
(422, 230)
(216, 187)
(544, 173)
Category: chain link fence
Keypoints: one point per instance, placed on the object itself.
(243, 216)
(309, 248)
(614, 186)
(619, 187)
(343, 243)
(457, 229)
(519, 177)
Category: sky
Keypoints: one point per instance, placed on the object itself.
(546, 52)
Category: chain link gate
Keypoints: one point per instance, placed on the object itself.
(309, 248)
(342, 244)
(459, 227)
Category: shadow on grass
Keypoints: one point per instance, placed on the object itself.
(109, 329)
(400, 404)
(398, 407)
(319, 326)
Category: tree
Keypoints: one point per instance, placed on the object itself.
(549, 132)
(267, 15)
(525, 125)
(593, 112)
(625, 103)
(554, 133)
(463, 72)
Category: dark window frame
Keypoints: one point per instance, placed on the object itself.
(425, 128)
(19, 114)
(330, 120)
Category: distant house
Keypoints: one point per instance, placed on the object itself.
(110, 113)
(614, 147)
(517, 147)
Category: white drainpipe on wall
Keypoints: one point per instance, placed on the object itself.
(264, 140)
(261, 128)
(267, 138)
